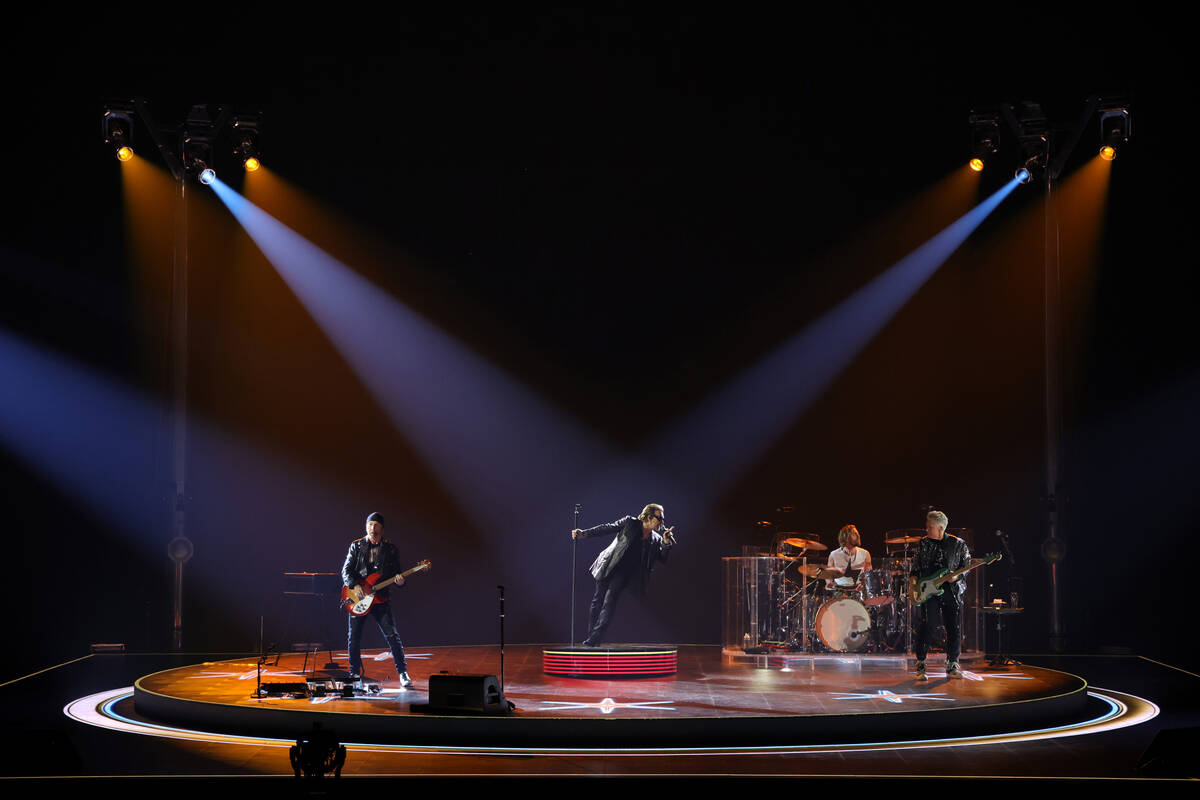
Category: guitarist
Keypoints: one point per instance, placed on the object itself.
(373, 553)
(937, 551)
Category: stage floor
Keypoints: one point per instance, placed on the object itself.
(707, 685)
(114, 739)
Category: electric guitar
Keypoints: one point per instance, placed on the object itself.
(921, 590)
(359, 599)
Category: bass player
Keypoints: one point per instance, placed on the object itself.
(940, 550)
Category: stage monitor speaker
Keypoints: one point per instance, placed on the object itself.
(472, 694)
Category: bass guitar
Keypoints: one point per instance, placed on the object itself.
(358, 600)
(930, 586)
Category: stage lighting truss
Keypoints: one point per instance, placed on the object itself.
(1114, 131)
(245, 141)
(985, 138)
(118, 130)
(188, 149)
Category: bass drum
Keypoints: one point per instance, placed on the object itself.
(844, 625)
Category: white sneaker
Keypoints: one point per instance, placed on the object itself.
(954, 670)
(405, 681)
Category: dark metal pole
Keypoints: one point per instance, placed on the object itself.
(501, 588)
(1052, 549)
(574, 547)
(179, 370)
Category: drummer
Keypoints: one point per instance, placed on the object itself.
(849, 558)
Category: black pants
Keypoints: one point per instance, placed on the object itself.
(382, 614)
(604, 602)
(951, 609)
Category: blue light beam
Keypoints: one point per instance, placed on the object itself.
(734, 427)
(501, 451)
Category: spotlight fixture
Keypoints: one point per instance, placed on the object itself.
(985, 138)
(1114, 130)
(245, 141)
(207, 176)
(118, 131)
(1028, 122)
(197, 156)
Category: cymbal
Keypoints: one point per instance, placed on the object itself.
(804, 544)
(819, 571)
(904, 536)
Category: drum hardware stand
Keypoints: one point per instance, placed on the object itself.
(807, 640)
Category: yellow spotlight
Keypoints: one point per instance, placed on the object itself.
(251, 164)
(977, 164)
(1108, 152)
(124, 153)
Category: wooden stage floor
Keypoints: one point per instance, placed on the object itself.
(78, 720)
(711, 699)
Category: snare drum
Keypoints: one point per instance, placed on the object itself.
(843, 625)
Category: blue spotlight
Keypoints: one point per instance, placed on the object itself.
(496, 447)
(742, 420)
(95, 439)
(207, 176)
(1023, 175)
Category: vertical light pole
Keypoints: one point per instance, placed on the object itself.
(193, 154)
(1053, 547)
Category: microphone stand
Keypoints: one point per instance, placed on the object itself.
(574, 547)
(501, 588)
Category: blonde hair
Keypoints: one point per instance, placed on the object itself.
(648, 512)
(845, 532)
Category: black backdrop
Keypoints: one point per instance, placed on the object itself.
(521, 181)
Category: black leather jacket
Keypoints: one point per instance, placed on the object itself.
(935, 556)
(655, 548)
(363, 558)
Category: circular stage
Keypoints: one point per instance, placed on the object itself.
(711, 702)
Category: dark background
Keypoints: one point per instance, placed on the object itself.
(530, 183)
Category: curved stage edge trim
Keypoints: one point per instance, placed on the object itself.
(1121, 710)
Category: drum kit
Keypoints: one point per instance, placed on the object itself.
(853, 611)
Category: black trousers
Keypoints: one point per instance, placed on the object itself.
(950, 606)
(382, 614)
(604, 602)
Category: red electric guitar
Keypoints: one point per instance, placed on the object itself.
(359, 599)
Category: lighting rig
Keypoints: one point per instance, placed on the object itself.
(187, 150)
(1043, 151)
(1037, 139)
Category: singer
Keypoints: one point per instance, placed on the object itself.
(638, 543)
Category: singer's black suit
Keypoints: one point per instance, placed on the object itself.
(628, 560)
